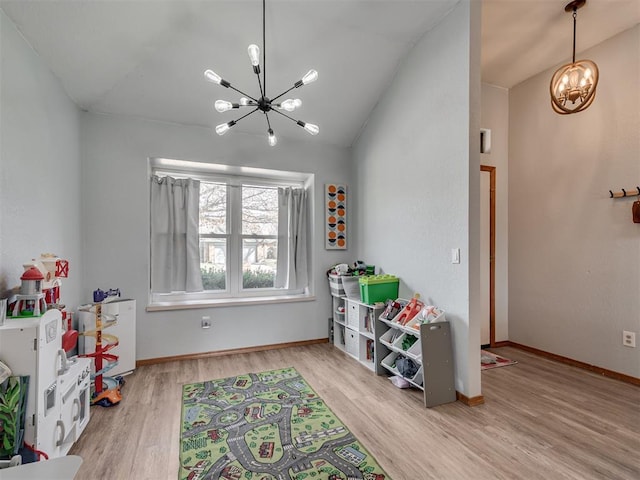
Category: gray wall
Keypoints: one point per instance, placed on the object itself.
(574, 253)
(495, 116)
(418, 183)
(39, 166)
(115, 213)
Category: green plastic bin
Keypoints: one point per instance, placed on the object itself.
(378, 288)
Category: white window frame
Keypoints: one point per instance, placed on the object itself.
(234, 178)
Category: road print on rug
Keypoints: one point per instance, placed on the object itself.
(267, 426)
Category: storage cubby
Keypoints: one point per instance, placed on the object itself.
(338, 322)
(417, 379)
(352, 345)
(389, 363)
(366, 353)
(339, 340)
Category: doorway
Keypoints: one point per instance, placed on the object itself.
(487, 255)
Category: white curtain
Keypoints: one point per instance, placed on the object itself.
(175, 251)
(292, 239)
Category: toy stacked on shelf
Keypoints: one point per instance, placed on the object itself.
(106, 390)
(40, 288)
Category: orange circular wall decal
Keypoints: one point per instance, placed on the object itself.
(336, 216)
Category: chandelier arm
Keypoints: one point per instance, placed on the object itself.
(246, 115)
(285, 115)
(266, 115)
(263, 93)
(283, 93)
(242, 93)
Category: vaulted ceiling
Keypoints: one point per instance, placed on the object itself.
(147, 58)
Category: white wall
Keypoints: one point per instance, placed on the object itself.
(39, 166)
(418, 183)
(574, 253)
(116, 230)
(495, 116)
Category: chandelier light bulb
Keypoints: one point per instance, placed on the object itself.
(311, 128)
(223, 105)
(212, 76)
(244, 101)
(254, 54)
(290, 104)
(311, 76)
(224, 127)
(272, 138)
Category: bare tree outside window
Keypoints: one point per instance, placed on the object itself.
(259, 236)
(213, 235)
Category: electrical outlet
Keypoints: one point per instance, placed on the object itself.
(206, 322)
(629, 339)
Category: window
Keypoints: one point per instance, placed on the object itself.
(254, 247)
(250, 232)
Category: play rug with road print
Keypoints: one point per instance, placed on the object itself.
(266, 426)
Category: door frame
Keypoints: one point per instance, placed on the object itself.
(492, 252)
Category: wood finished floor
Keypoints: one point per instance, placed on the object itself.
(541, 419)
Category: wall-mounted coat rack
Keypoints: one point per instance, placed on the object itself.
(624, 193)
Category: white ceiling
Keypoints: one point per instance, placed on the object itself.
(521, 38)
(146, 58)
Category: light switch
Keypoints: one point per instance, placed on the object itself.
(455, 255)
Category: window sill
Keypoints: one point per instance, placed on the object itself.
(227, 302)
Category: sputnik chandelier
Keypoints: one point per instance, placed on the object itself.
(574, 82)
(263, 104)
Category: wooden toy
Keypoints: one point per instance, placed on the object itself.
(410, 310)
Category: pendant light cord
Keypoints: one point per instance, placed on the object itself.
(575, 14)
(264, 49)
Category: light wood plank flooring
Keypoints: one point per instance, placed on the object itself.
(541, 419)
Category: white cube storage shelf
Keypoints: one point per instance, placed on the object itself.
(354, 329)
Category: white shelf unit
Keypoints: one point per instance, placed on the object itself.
(431, 351)
(359, 328)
